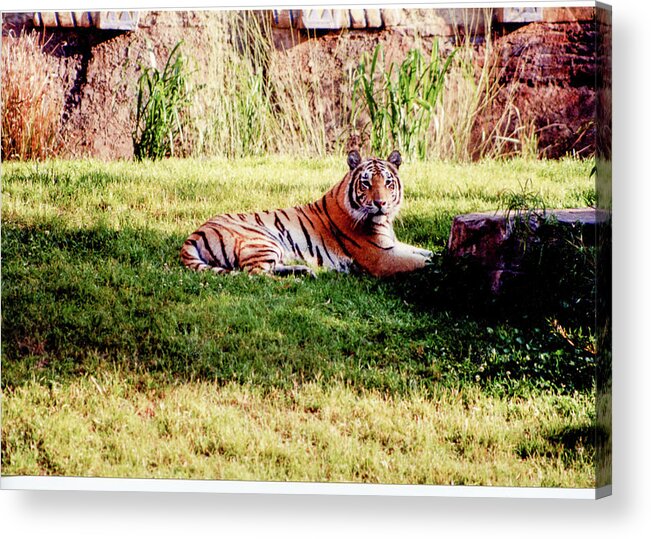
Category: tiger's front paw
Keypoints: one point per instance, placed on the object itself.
(305, 271)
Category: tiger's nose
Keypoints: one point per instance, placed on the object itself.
(379, 204)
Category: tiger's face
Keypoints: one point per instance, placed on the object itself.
(374, 189)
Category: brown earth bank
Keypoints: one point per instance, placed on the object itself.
(547, 70)
(550, 70)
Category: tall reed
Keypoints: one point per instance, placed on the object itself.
(255, 100)
(452, 106)
(231, 114)
(259, 99)
(161, 108)
(479, 118)
(32, 99)
(302, 105)
(400, 100)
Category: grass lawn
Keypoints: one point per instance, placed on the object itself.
(119, 362)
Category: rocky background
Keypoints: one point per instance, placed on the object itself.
(548, 65)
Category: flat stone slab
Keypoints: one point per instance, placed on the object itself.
(499, 242)
(485, 234)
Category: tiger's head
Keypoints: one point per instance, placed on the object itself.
(374, 189)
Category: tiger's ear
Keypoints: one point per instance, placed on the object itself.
(354, 159)
(395, 158)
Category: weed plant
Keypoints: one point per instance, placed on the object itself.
(400, 100)
(524, 209)
(161, 108)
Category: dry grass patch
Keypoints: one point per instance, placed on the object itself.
(32, 99)
(104, 427)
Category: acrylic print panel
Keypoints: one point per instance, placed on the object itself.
(428, 313)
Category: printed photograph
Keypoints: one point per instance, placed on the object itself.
(353, 246)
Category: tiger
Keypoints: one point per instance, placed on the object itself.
(349, 230)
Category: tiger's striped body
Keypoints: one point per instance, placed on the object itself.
(349, 229)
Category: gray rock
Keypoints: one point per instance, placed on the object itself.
(498, 243)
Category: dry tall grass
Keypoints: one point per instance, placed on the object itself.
(32, 99)
(254, 99)
(478, 117)
(247, 100)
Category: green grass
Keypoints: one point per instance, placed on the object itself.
(93, 290)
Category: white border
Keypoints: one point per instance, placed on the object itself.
(38, 483)
(70, 515)
(265, 487)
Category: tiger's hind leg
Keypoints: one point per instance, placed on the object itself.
(258, 256)
(192, 258)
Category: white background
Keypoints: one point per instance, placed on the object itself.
(625, 514)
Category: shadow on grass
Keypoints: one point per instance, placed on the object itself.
(568, 443)
(80, 300)
(77, 301)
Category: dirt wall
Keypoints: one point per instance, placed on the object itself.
(99, 70)
(548, 66)
(550, 70)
